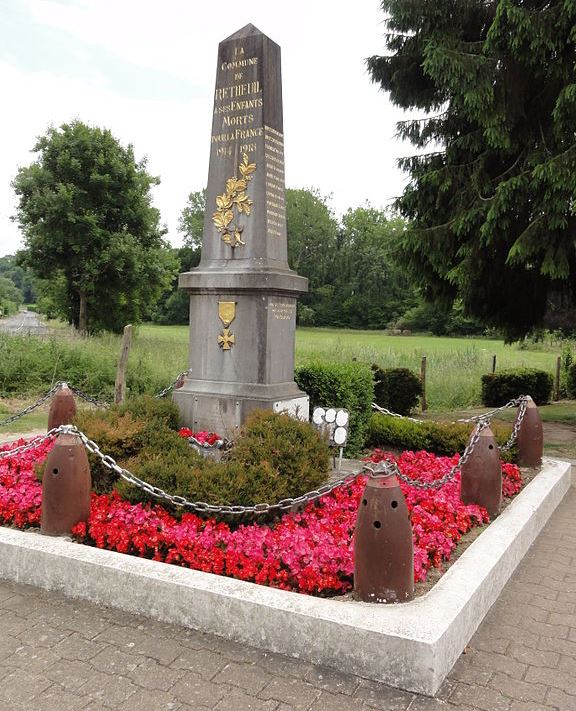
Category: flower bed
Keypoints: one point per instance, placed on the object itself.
(310, 551)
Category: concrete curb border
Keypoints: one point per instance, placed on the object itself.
(411, 646)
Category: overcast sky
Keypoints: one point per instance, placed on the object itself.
(146, 70)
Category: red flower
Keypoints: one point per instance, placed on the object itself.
(310, 551)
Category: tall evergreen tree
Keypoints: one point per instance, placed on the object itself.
(493, 201)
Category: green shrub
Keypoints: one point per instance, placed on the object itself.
(152, 409)
(275, 457)
(123, 431)
(442, 438)
(396, 389)
(571, 381)
(500, 388)
(346, 385)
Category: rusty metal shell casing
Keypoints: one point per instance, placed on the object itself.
(66, 486)
(481, 475)
(530, 437)
(62, 408)
(383, 547)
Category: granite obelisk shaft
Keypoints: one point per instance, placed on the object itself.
(243, 294)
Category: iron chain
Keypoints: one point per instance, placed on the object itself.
(391, 468)
(488, 415)
(81, 394)
(172, 385)
(517, 424)
(41, 400)
(386, 411)
(88, 398)
(34, 442)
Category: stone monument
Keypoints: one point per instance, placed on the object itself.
(243, 294)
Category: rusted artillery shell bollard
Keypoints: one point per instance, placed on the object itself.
(66, 486)
(180, 381)
(481, 475)
(530, 437)
(383, 547)
(62, 408)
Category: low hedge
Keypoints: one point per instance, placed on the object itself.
(571, 381)
(500, 388)
(345, 385)
(274, 457)
(438, 437)
(396, 389)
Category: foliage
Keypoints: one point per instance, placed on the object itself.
(20, 277)
(273, 458)
(86, 214)
(346, 385)
(124, 431)
(440, 319)
(346, 264)
(16, 286)
(491, 204)
(499, 388)
(371, 286)
(571, 381)
(175, 305)
(310, 551)
(10, 297)
(312, 236)
(443, 438)
(396, 389)
(191, 221)
(31, 365)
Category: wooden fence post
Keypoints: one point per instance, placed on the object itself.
(423, 402)
(120, 385)
(493, 364)
(557, 379)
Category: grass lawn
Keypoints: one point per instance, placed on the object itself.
(454, 365)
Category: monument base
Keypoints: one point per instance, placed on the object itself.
(223, 407)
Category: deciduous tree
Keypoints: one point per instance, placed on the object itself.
(85, 210)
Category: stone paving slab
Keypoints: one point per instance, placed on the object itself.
(65, 654)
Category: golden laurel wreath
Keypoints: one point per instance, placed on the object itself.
(235, 198)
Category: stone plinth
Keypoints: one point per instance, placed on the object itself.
(243, 294)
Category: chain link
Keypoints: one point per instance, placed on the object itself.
(41, 400)
(488, 415)
(172, 385)
(390, 467)
(81, 394)
(517, 424)
(35, 442)
(89, 398)
(383, 469)
(386, 411)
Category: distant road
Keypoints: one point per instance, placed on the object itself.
(26, 323)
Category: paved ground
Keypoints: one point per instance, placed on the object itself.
(25, 323)
(61, 655)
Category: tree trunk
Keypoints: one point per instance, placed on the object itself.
(83, 315)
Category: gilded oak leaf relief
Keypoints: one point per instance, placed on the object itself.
(233, 203)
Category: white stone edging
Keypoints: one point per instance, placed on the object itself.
(412, 646)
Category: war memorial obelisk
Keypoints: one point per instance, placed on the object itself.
(243, 294)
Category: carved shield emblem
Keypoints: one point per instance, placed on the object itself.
(227, 312)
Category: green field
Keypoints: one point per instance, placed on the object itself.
(454, 365)
(159, 353)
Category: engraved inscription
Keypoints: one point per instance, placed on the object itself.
(275, 182)
(236, 102)
(283, 310)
